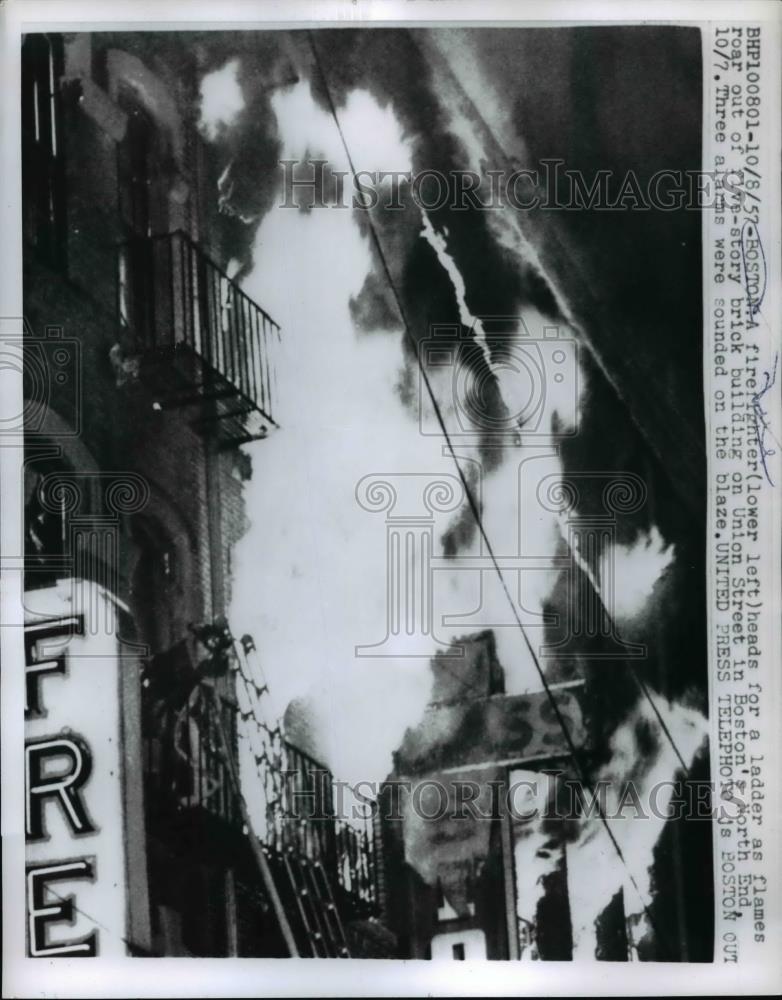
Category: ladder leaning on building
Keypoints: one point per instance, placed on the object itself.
(316, 869)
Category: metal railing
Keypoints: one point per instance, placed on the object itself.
(173, 298)
(184, 765)
(356, 859)
(301, 816)
(186, 769)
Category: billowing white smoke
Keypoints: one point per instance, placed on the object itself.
(311, 574)
(310, 580)
(595, 873)
(221, 100)
(516, 523)
(636, 569)
(535, 853)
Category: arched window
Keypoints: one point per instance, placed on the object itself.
(43, 174)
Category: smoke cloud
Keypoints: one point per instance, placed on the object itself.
(311, 574)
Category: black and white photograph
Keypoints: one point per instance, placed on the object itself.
(382, 595)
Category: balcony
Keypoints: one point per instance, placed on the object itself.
(184, 317)
(301, 817)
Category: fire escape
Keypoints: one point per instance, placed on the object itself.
(195, 337)
(212, 761)
(219, 771)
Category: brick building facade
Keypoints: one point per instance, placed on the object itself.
(147, 367)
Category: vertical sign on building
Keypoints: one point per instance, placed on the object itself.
(76, 882)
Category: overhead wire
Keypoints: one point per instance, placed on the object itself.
(474, 506)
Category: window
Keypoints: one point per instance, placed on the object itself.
(43, 175)
(460, 946)
(135, 166)
(144, 168)
(142, 159)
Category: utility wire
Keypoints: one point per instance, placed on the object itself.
(612, 383)
(631, 666)
(472, 502)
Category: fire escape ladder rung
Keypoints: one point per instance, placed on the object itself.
(310, 892)
(267, 878)
(330, 911)
(318, 912)
(306, 905)
(321, 905)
